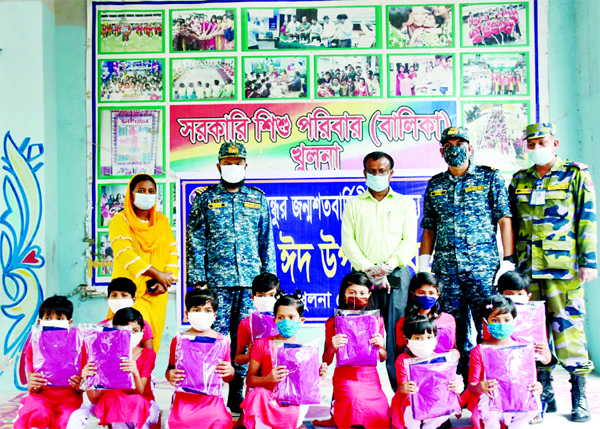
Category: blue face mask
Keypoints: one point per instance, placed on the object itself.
(288, 328)
(378, 183)
(501, 331)
(425, 302)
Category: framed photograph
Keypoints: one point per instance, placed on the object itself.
(496, 132)
(275, 77)
(494, 24)
(130, 80)
(111, 200)
(203, 30)
(104, 253)
(173, 203)
(350, 27)
(133, 31)
(195, 79)
(495, 74)
(131, 142)
(421, 75)
(345, 76)
(420, 26)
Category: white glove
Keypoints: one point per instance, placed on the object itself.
(424, 261)
(505, 266)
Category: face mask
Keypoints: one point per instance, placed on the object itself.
(541, 156)
(136, 339)
(455, 155)
(116, 304)
(144, 201)
(422, 348)
(425, 302)
(501, 331)
(357, 302)
(265, 304)
(519, 299)
(64, 324)
(201, 321)
(378, 183)
(233, 173)
(288, 328)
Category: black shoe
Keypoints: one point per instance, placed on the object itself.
(580, 412)
(545, 378)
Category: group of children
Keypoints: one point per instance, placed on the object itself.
(349, 82)
(426, 332)
(123, 29)
(498, 26)
(202, 91)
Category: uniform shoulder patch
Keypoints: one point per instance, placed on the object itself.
(202, 190)
(487, 167)
(257, 189)
(578, 165)
(439, 175)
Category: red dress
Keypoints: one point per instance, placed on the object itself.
(475, 376)
(400, 401)
(195, 410)
(117, 406)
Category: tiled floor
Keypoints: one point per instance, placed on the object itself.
(163, 391)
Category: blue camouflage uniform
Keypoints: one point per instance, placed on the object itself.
(464, 213)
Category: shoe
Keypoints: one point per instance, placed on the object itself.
(447, 424)
(548, 397)
(540, 417)
(580, 411)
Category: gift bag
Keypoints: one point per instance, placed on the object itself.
(514, 369)
(432, 375)
(199, 357)
(56, 354)
(262, 325)
(107, 347)
(530, 324)
(302, 386)
(359, 327)
(446, 335)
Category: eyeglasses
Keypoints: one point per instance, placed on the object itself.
(382, 172)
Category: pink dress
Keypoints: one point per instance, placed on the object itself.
(148, 335)
(50, 406)
(403, 85)
(445, 319)
(197, 410)
(117, 406)
(244, 334)
(211, 43)
(261, 403)
(400, 401)
(358, 398)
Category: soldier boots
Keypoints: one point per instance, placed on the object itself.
(580, 412)
(545, 378)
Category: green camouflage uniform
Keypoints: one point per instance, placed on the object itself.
(553, 240)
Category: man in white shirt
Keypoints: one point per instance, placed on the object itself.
(344, 31)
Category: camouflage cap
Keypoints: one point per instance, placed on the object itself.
(232, 149)
(454, 133)
(541, 129)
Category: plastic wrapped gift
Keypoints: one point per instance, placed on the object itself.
(359, 327)
(199, 357)
(530, 324)
(445, 338)
(432, 375)
(302, 386)
(107, 347)
(262, 325)
(514, 369)
(56, 354)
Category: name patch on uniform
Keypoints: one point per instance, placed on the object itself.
(562, 186)
(475, 188)
(216, 205)
(438, 193)
(523, 191)
(252, 205)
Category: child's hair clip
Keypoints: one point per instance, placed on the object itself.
(280, 294)
(489, 306)
(298, 294)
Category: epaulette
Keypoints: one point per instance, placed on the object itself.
(487, 167)
(437, 176)
(257, 189)
(200, 191)
(578, 165)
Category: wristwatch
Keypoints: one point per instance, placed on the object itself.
(510, 258)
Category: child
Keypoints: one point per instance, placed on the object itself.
(137, 406)
(358, 398)
(195, 409)
(49, 406)
(420, 335)
(121, 294)
(261, 409)
(499, 316)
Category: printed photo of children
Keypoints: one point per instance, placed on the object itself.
(495, 74)
(139, 32)
(104, 254)
(139, 80)
(212, 78)
(203, 30)
(421, 75)
(280, 77)
(494, 24)
(323, 28)
(420, 26)
(111, 199)
(340, 76)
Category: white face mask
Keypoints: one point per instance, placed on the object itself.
(519, 299)
(541, 156)
(233, 173)
(422, 348)
(264, 303)
(116, 304)
(201, 321)
(54, 324)
(136, 339)
(144, 201)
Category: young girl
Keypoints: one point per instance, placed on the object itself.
(135, 406)
(499, 316)
(195, 409)
(261, 409)
(362, 90)
(420, 335)
(358, 396)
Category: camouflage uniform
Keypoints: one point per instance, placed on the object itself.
(552, 241)
(464, 213)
